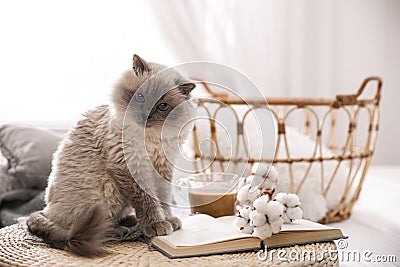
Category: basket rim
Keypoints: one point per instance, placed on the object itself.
(336, 102)
(288, 101)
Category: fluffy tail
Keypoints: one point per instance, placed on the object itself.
(84, 238)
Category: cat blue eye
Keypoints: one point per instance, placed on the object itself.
(139, 98)
(163, 106)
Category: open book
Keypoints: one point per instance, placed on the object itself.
(202, 235)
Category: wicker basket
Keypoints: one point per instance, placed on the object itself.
(347, 125)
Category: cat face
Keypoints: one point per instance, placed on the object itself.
(153, 95)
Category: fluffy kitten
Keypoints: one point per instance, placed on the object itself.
(93, 186)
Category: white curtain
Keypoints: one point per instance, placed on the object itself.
(308, 48)
(288, 48)
(60, 58)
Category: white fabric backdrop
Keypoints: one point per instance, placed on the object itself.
(305, 48)
(59, 58)
(267, 40)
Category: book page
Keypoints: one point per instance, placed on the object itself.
(203, 229)
(305, 225)
(297, 225)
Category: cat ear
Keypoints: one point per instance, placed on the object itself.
(186, 88)
(139, 65)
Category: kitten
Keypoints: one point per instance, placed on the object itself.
(111, 163)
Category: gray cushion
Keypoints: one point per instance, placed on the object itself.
(7, 181)
(29, 152)
(18, 203)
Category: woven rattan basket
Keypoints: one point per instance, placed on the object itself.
(347, 125)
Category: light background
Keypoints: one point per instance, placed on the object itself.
(59, 58)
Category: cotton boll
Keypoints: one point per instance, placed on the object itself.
(242, 182)
(261, 181)
(285, 218)
(243, 194)
(268, 184)
(292, 200)
(245, 213)
(284, 208)
(248, 229)
(239, 222)
(255, 180)
(252, 214)
(281, 197)
(260, 169)
(313, 202)
(276, 225)
(260, 204)
(294, 213)
(253, 195)
(273, 174)
(263, 231)
(249, 179)
(257, 219)
(242, 222)
(274, 210)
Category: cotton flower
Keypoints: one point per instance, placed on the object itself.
(294, 213)
(281, 197)
(257, 218)
(266, 218)
(243, 181)
(239, 222)
(274, 210)
(291, 206)
(260, 182)
(243, 225)
(245, 212)
(276, 225)
(249, 179)
(266, 178)
(273, 174)
(260, 204)
(268, 185)
(266, 174)
(253, 195)
(248, 229)
(264, 170)
(260, 169)
(292, 200)
(242, 221)
(245, 196)
(264, 231)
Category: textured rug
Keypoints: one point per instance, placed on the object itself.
(17, 249)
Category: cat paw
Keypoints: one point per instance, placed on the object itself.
(175, 222)
(124, 233)
(128, 221)
(157, 228)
